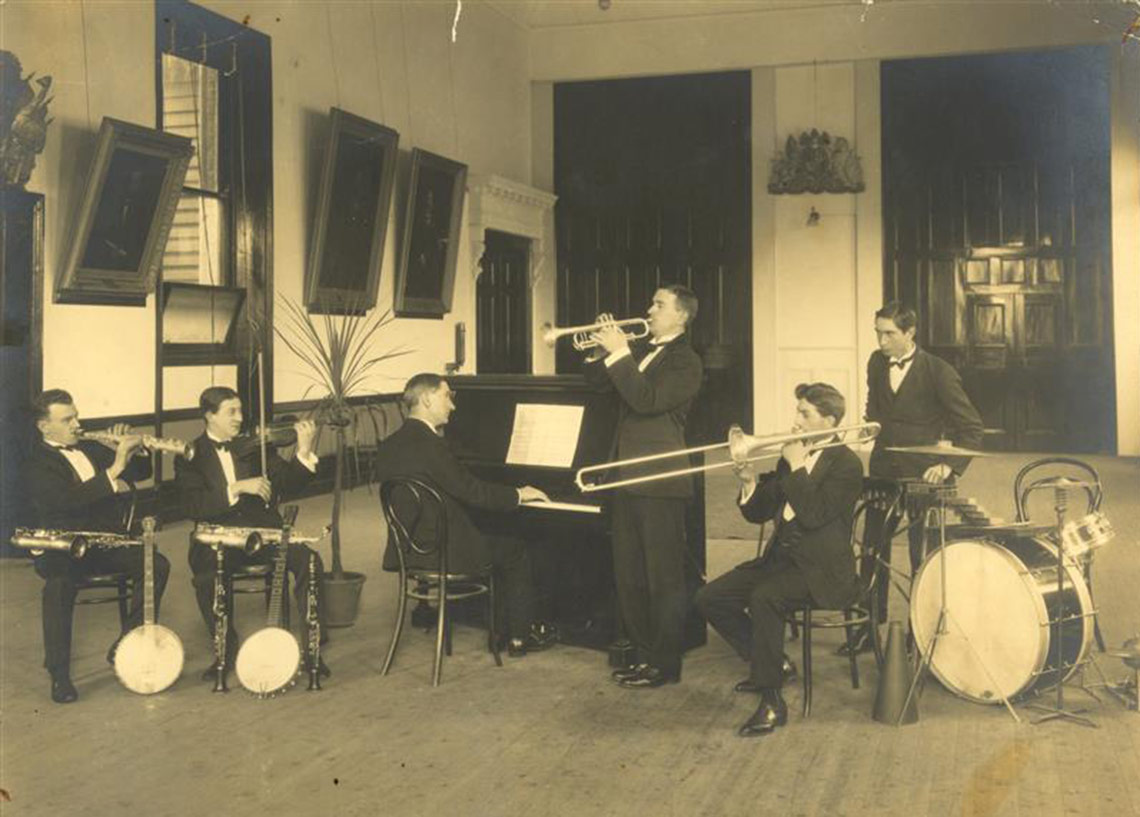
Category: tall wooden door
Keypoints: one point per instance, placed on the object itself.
(502, 295)
(997, 218)
(654, 185)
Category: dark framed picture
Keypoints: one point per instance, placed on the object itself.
(352, 215)
(425, 274)
(124, 216)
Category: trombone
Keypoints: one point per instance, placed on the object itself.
(743, 448)
(632, 327)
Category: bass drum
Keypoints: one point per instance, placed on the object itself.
(1008, 629)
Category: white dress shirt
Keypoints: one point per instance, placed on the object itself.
(789, 512)
(82, 466)
(656, 343)
(896, 374)
(227, 460)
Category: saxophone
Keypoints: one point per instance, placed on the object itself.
(314, 621)
(221, 623)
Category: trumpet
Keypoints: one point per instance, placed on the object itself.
(632, 327)
(251, 540)
(74, 542)
(173, 446)
(743, 448)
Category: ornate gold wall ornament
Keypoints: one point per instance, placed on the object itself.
(815, 163)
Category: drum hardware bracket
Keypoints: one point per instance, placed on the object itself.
(1057, 711)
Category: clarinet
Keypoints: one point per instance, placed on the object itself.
(221, 622)
(314, 620)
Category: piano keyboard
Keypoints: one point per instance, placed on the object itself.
(563, 506)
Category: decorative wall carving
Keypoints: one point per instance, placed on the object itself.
(815, 163)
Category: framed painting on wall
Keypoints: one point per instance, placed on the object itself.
(352, 215)
(124, 216)
(425, 274)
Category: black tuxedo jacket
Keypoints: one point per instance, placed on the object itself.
(414, 450)
(61, 501)
(930, 403)
(654, 407)
(203, 491)
(818, 539)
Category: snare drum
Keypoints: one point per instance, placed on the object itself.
(1004, 609)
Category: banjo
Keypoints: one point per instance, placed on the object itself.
(149, 657)
(269, 661)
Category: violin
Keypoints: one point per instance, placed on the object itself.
(281, 434)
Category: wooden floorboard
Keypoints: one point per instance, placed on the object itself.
(548, 734)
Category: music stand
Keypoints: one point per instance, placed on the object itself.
(1060, 487)
(945, 615)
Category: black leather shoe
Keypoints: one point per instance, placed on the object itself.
(322, 668)
(650, 678)
(211, 672)
(771, 713)
(625, 673)
(62, 690)
(788, 670)
(861, 642)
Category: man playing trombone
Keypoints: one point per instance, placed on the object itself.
(811, 496)
(657, 381)
(77, 485)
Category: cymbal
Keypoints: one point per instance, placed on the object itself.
(944, 448)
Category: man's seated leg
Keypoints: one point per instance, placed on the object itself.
(130, 561)
(61, 574)
(203, 566)
(297, 563)
(780, 589)
(515, 598)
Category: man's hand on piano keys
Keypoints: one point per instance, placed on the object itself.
(528, 493)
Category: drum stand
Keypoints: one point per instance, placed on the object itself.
(1058, 711)
(945, 616)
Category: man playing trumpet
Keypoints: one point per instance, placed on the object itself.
(811, 496)
(657, 382)
(222, 485)
(79, 484)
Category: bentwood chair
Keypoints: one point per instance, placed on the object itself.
(114, 587)
(877, 494)
(1055, 467)
(405, 501)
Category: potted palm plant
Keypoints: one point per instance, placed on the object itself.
(338, 356)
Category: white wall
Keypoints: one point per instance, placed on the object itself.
(386, 61)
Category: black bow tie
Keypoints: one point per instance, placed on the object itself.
(901, 363)
(68, 447)
(222, 445)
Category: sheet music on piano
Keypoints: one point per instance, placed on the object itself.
(545, 434)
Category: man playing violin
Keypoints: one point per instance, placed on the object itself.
(222, 484)
(82, 485)
(811, 496)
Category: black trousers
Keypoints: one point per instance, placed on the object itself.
(649, 573)
(514, 584)
(203, 565)
(61, 574)
(747, 606)
(878, 525)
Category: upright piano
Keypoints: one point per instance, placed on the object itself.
(570, 549)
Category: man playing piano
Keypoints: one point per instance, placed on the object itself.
(79, 485)
(222, 485)
(811, 496)
(418, 449)
(656, 381)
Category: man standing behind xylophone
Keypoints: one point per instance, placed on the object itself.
(222, 485)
